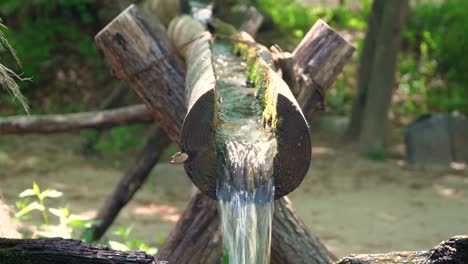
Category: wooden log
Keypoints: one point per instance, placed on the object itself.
(125, 20)
(133, 179)
(197, 136)
(196, 238)
(318, 60)
(183, 29)
(454, 250)
(292, 241)
(66, 251)
(46, 124)
(59, 250)
(143, 57)
(252, 22)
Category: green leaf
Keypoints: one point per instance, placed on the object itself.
(57, 212)
(29, 208)
(28, 192)
(36, 189)
(118, 246)
(50, 193)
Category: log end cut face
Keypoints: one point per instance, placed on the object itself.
(197, 141)
(294, 147)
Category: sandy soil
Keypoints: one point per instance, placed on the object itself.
(353, 204)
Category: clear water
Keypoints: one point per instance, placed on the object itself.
(245, 189)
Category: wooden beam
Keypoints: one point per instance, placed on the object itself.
(46, 124)
(318, 60)
(143, 57)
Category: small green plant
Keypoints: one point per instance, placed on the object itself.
(131, 243)
(39, 204)
(67, 223)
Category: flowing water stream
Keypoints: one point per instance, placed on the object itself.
(245, 189)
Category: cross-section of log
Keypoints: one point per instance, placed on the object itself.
(280, 111)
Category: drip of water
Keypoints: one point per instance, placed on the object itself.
(245, 190)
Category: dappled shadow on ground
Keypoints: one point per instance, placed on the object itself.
(353, 204)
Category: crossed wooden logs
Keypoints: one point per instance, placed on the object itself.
(141, 54)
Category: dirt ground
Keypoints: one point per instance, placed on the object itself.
(352, 204)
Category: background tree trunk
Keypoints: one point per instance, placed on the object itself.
(364, 71)
(382, 78)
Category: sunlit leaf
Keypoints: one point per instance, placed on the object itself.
(28, 192)
(29, 208)
(118, 246)
(50, 193)
(36, 188)
(57, 212)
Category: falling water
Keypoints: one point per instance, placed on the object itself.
(245, 190)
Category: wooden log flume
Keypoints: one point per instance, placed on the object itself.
(132, 42)
(281, 109)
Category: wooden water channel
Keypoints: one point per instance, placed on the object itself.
(143, 55)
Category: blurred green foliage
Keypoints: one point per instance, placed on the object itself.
(290, 16)
(437, 39)
(41, 30)
(431, 66)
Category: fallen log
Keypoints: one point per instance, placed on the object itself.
(140, 53)
(452, 251)
(133, 179)
(59, 250)
(46, 124)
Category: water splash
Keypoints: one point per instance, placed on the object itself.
(245, 189)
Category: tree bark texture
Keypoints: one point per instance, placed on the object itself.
(142, 56)
(318, 60)
(452, 251)
(382, 78)
(132, 180)
(196, 238)
(292, 241)
(65, 251)
(364, 71)
(46, 124)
